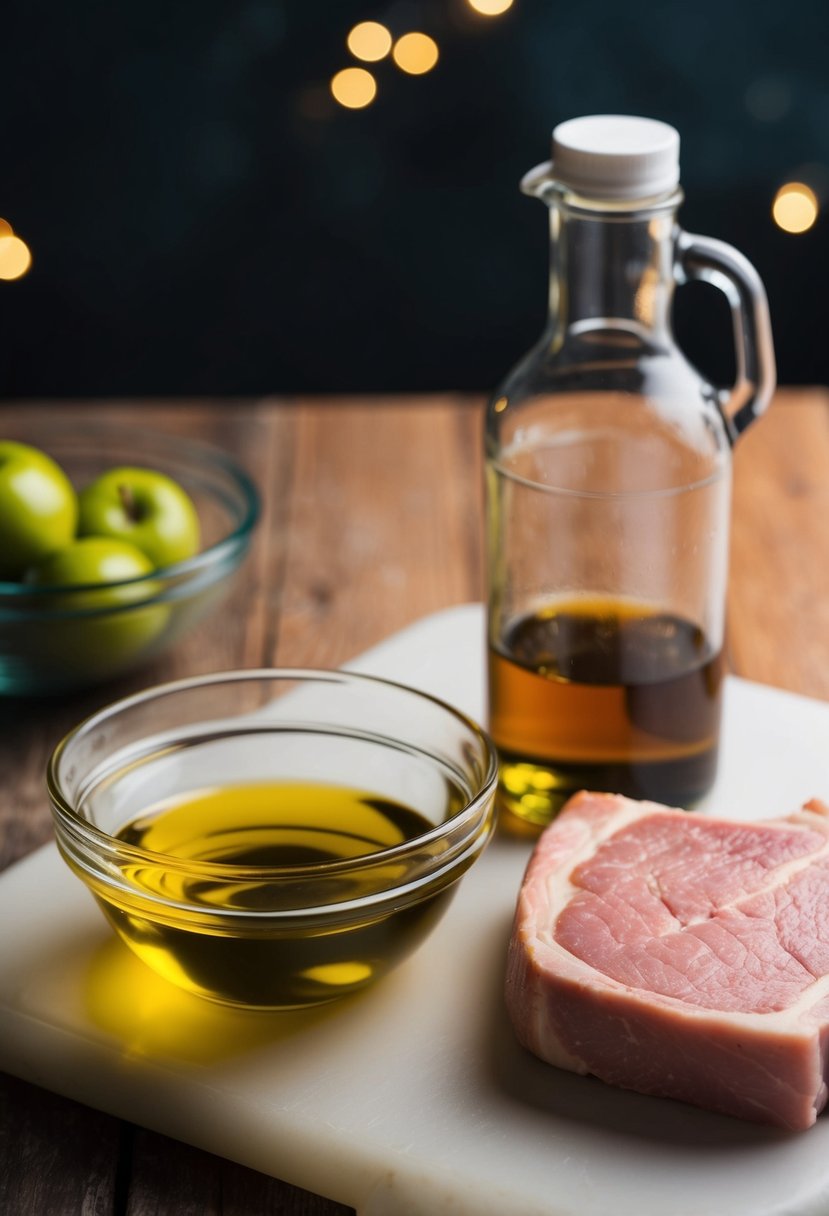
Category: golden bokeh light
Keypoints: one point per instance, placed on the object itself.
(490, 8)
(15, 257)
(415, 53)
(6, 228)
(369, 41)
(795, 207)
(354, 88)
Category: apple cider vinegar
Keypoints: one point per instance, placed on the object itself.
(603, 695)
(608, 489)
(300, 828)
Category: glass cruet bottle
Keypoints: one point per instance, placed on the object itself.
(608, 489)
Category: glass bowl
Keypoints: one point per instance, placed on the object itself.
(278, 838)
(52, 638)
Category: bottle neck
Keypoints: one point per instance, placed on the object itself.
(611, 271)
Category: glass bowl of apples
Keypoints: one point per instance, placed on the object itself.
(114, 541)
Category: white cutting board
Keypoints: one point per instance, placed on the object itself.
(411, 1098)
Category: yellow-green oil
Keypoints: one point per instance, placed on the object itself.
(243, 956)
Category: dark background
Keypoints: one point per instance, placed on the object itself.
(204, 219)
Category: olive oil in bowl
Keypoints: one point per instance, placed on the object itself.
(255, 853)
(277, 838)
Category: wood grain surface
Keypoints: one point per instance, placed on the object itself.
(371, 519)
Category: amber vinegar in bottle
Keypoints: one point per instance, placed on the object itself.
(608, 489)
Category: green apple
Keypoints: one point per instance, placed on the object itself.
(144, 507)
(38, 507)
(102, 629)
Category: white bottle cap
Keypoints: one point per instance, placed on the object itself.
(612, 156)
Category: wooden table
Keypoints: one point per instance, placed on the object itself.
(372, 518)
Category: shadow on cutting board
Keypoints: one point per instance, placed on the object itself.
(153, 1018)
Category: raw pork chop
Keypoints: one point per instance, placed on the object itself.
(679, 955)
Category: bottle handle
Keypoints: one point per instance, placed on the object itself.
(711, 261)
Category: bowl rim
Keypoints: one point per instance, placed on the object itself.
(67, 817)
(10, 591)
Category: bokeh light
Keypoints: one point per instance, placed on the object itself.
(490, 8)
(6, 228)
(354, 88)
(369, 41)
(415, 53)
(795, 207)
(15, 257)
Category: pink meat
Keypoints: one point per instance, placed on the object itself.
(679, 955)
